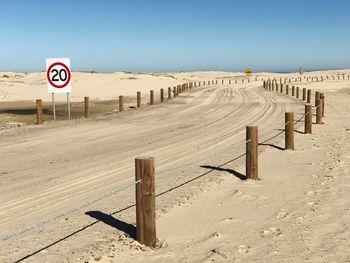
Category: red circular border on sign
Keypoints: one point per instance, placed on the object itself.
(48, 75)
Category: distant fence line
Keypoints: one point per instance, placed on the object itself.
(178, 89)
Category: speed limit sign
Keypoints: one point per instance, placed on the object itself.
(58, 75)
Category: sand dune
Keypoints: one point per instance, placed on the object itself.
(297, 212)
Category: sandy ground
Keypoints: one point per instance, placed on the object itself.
(297, 212)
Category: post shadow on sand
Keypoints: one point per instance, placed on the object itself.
(231, 171)
(128, 229)
(298, 131)
(272, 145)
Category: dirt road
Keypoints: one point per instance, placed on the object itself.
(47, 170)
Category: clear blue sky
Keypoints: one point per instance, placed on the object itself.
(175, 35)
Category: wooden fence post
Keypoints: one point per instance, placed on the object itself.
(281, 88)
(86, 107)
(293, 91)
(151, 97)
(39, 111)
(161, 95)
(287, 89)
(317, 97)
(145, 201)
(304, 94)
(252, 152)
(138, 99)
(297, 92)
(289, 131)
(322, 98)
(308, 100)
(174, 91)
(121, 103)
(308, 119)
(318, 111)
(169, 93)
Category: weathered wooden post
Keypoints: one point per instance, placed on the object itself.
(138, 99)
(87, 107)
(297, 92)
(169, 93)
(121, 103)
(39, 111)
(318, 111)
(317, 97)
(151, 97)
(289, 131)
(304, 94)
(287, 89)
(252, 152)
(293, 91)
(145, 201)
(308, 119)
(222, 82)
(229, 82)
(161, 95)
(174, 91)
(281, 88)
(308, 100)
(322, 99)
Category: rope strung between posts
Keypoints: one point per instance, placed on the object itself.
(202, 159)
(48, 221)
(302, 117)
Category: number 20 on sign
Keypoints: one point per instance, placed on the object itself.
(58, 75)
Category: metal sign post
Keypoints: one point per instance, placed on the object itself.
(68, 105)
(53, 106)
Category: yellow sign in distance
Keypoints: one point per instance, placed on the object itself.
(248, 72)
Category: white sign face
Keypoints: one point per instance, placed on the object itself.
(58, 75)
